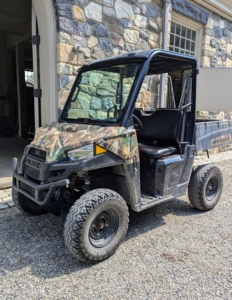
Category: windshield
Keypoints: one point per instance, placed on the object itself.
(99, 96)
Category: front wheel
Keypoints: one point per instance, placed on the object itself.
(96, 225)
(25, 205)
(205, 187)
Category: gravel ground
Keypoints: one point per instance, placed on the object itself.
(172, 251)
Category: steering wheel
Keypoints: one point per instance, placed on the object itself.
(139, 125)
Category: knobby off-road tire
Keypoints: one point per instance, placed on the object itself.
(96, 225)
(25, 205)
(205, 187)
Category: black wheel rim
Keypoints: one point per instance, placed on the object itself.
(211, 188)
(104, 228)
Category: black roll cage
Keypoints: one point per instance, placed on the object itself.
(166, 64)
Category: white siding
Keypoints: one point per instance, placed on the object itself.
(214, 89)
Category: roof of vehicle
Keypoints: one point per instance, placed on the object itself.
(142, 54)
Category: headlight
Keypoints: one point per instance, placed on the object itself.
(81, 153)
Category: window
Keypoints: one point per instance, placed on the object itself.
(175, 72)
(99, 96)
(149, 93)
(186, 36)
(29, 78)
(182, 39)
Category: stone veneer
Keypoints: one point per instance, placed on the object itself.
(216, 52)
(96, 98)
(190, 10)
(89, 30)
(217, 43)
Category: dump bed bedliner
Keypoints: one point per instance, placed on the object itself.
(212, 134)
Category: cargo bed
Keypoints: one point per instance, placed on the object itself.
(212, 134)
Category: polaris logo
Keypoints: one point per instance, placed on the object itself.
(33, 163)
(223, 139)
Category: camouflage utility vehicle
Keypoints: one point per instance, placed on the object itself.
(114, 147)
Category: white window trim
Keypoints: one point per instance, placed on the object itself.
(181, 20)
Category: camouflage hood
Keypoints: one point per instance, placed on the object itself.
(57, 138)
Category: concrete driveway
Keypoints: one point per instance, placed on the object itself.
(9, 148)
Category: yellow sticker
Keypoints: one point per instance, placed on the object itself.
(99, 150)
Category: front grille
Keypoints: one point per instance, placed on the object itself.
(27, 188)
(38, 153)
(32, 172)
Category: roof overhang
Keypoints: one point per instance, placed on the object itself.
(221, 7)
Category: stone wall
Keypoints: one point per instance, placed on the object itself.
(149, 93)
(214, 115)
(89, 30)
(97, 96)
(216, 49)
(216, 52)
(217, 43)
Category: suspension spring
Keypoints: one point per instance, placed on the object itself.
(88, 181)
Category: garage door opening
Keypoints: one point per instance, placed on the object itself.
(17, 114)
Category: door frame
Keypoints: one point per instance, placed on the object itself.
(35, 55)
(45, 14)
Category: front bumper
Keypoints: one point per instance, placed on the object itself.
(39, 193)
(49, 175)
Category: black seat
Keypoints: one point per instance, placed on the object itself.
(156, 152)
(162, 129)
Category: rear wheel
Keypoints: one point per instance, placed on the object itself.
(205, 187)
(96, 225)
(25, 205)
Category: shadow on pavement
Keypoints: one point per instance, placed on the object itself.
(38, 243)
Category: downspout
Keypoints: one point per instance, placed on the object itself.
(166, 11)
